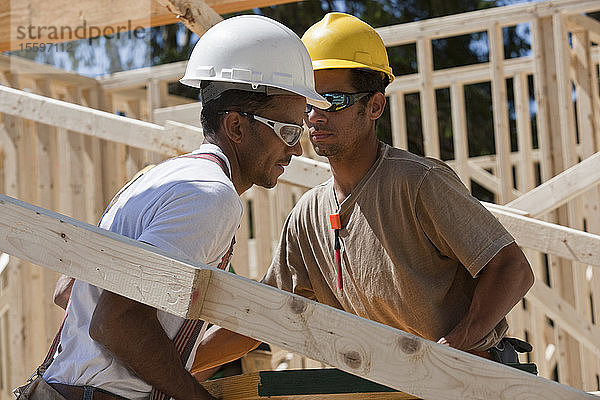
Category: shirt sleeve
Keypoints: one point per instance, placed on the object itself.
(196, 220)
(288, 270)
(457, 224)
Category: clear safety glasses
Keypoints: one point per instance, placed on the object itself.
(289, 133)
(339, 101)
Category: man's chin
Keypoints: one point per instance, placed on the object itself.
(324, 151)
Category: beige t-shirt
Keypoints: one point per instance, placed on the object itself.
(413, 240)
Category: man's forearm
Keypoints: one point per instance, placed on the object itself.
(132, 333)
(502, 284)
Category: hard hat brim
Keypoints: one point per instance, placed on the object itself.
(347, 64)
(313, 98)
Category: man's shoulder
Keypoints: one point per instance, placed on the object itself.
(398, 158)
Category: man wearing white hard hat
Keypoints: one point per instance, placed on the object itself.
(255, 79)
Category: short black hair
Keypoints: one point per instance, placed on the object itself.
(231, 100)
(367, 80)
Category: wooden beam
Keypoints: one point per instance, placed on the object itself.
(500, 114)
(565, 315)
(549, 238)
(476, 21)
(492, 206)
(148, 275)
(101, 124)
(27, 68)
(429, 119)
(36, 21)
(365, 348)
(306, 172)
(560, 189)
(580, 22)
(196, 15)
(140, 76)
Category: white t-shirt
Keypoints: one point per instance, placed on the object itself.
(187, 206)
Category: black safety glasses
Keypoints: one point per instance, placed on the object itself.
(339, 101)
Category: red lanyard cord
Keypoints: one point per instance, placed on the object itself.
(336, 225)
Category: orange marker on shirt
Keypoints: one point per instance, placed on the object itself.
(334, 219)
(336, 225)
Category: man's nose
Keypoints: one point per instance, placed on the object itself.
(315, 116)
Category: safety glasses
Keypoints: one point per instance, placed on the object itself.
(339, 101)
(289, 133)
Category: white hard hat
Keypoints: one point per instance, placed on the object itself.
(256, 51)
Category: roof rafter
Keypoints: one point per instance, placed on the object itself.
(38, 21)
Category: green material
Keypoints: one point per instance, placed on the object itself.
(330, 381)
(315, 381)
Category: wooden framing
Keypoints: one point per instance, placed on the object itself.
(560, 189)
(61, 152)
(377, 352)
(58, 18)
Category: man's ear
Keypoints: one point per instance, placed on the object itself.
(233, 124)
(376, 105)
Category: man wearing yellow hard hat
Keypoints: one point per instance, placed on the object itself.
(392, 237)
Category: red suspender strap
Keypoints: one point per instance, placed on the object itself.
(188, 333)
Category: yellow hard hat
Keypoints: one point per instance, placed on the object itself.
(343, 41)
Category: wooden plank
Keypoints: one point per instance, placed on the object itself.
(579, 22)
(476, 21)
(560, 189)
(32, 70)
(63, 244)
(545, 83)
(92, 171)
(525, 169)
(196, 15)
(459, 133)
(188, 114)
(156, 94)
(171, 139)
(486, 179)
(136, 270)
(467, 75)
(398, 117)
(564, 93)
(138, 77)
(300, 384)
(549, 238)
(106, 17)
(500, 114)
(305, 172)
(565, 315)
(429, 121)
(511, 210)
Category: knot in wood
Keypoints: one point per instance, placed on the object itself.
(298, 306)
(352, 359)
(409, 345)
(188, 16)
